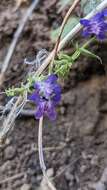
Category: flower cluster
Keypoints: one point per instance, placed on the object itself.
(46, 96)
(97, 25)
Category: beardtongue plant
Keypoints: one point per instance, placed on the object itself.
(43, 88)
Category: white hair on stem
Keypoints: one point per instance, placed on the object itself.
(38, 60)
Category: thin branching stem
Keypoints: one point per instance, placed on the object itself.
(41, 157)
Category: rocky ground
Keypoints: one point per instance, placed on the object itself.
(75, 147)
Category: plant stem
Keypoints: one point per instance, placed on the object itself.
(41, 157)
(77, 53)
(73, 6)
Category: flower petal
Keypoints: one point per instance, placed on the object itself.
(38, 85)
(104, 26)
(34, 97)
(51, 78)
(38, 113)
(104, 12)
(56, 99)
(96, 25)
(40, 110)
(98, 17)
(101, 36)
(57, 89)
(84, 22)
(51, 113)
(85, 33)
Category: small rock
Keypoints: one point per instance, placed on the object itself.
(94, 160)
(31, 172)
(87, 130)
(4, 167)
(62, 110)
(9, 152)
(69, 176)
(43, 184)
(26, 187)
(17, 184)
(39, 178)
(99, 186)
(83, 168)
(50, 172)
(104, 176)
(33, 180)
(8, 141)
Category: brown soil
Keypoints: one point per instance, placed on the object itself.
(76, 144)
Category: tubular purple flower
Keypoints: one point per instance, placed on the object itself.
(97, 25)
(46, 96)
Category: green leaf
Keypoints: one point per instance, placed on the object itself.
(72, 22)
(88, 5)
(63, 3)
(87, 52)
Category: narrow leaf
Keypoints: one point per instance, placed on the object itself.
(87, 52)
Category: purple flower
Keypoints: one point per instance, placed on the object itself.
(97, 25)
(46, 96)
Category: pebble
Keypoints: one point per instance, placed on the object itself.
(99, 186)
(26, 187)
(83, 168)
(9, 152)
(87, 130)
(4, 167)
(69, 176)
(62, 110)
(94, 160)
(104, 176)
(50, 172)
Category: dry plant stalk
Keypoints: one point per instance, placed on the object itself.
(15, 40)
(40, 147)
(8, 122)
(73, 6)
(68, 14)
(19, 3)
(41, 158)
